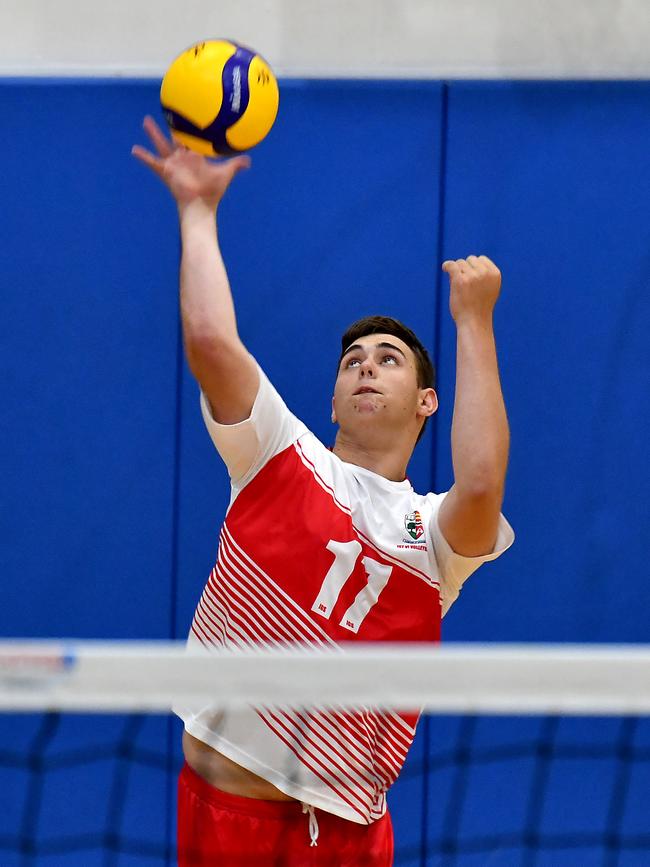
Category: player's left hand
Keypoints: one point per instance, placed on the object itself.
(474, 285)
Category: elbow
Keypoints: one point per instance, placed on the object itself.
(482, 477)
(198, 351)
(483, 488)
(207, 352)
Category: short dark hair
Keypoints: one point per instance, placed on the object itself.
(426, 372)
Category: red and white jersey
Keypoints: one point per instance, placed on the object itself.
(317, 550)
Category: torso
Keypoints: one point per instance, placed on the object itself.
(372, 576)
(223, 774)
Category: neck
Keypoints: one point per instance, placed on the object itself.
(389, 462)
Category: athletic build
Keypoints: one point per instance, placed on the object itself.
(384, 562)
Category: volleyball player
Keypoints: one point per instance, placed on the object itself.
(323, 547)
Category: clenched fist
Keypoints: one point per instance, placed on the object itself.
(474, 285)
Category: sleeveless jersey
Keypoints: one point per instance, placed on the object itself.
(315, 550)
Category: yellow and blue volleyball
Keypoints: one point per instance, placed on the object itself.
(219, 98)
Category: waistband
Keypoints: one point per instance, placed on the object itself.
(226, 801)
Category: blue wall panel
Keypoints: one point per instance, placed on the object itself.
(88, 372)
(551, 181)
(88, 368)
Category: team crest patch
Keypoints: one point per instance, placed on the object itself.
(414, 526)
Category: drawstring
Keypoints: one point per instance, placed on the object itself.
(313, 824)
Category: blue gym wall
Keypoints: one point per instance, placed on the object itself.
(112, 494)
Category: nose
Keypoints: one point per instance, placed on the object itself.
(367, 367)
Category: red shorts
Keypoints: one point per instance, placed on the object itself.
(216, 828)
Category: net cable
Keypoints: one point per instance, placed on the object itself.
(469, 693)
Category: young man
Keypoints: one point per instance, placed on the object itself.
(323, 547)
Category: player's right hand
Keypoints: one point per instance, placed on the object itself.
(188, 175)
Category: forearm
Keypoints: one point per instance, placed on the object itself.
(207, 308)
(479, 434)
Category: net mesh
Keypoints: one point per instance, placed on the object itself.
(94, 789)
(475, 790)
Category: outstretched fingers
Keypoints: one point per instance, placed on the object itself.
(157, 164)
(161, 143)
(158, 139)
(236, 164)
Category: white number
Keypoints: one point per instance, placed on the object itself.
(378, 575)
(345, 558)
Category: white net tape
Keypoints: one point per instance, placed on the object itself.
(489, 679)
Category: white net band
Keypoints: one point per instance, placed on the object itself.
(488, 679)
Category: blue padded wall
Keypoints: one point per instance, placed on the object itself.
(551, 181)
(112, 492)
(89, 368)
(89, 348)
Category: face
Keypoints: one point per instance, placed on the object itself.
(377, 382)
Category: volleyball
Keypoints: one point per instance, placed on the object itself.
(219, 98)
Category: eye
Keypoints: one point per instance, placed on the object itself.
(352, 362)
(391, 358)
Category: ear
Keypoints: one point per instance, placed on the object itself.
(428, 402)
(333, 413)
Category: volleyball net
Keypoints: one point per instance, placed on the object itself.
(531, 755)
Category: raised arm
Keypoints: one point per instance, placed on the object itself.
(469, 514)
(216, 356)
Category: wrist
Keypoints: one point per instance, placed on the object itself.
(474, 321)
(196, 210)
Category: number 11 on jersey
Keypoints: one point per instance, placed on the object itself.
(346, 555)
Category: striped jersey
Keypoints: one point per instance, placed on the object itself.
(319, 551)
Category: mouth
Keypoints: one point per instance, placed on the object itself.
(366, 389)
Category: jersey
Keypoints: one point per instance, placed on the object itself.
(316, 550)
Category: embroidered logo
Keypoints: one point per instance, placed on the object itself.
(414, 527)
(416, 539)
